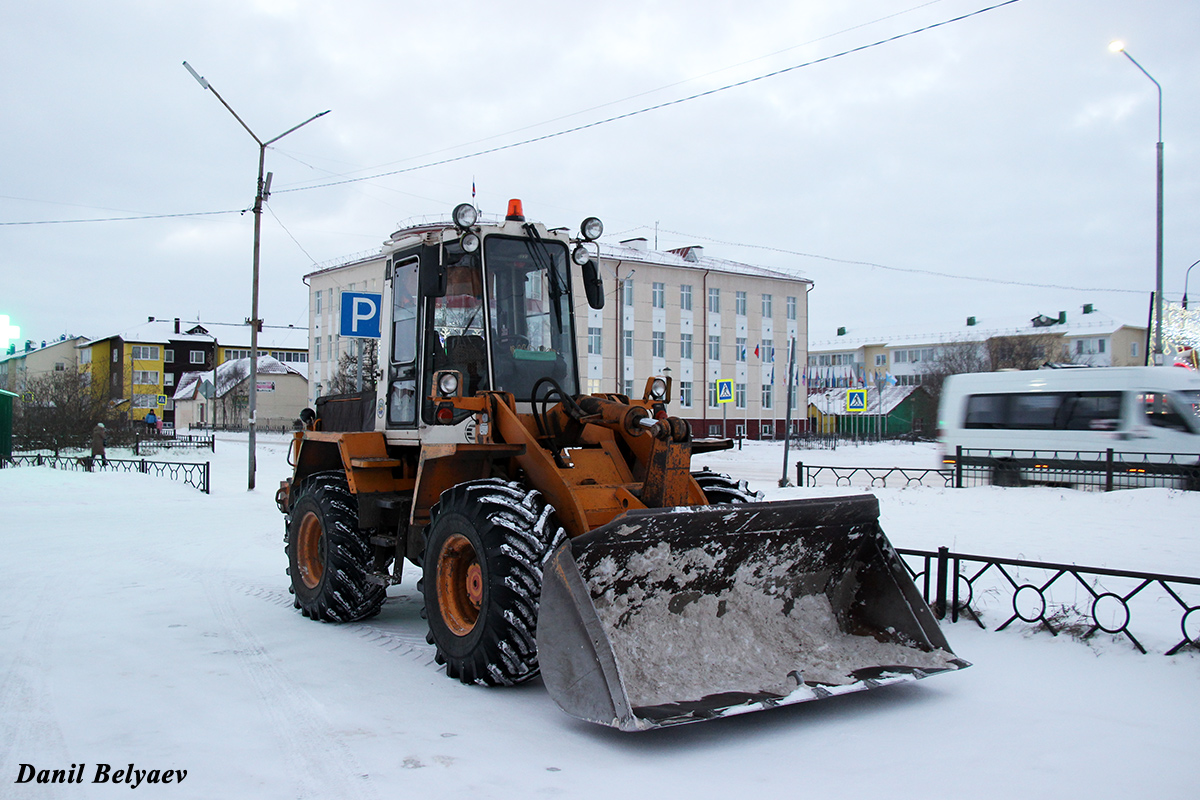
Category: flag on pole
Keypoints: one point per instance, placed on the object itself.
(756, 355)
(472, 189)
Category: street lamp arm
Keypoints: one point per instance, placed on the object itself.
(1157, 85)
(291, 129)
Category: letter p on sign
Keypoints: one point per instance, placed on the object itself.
(360, 315)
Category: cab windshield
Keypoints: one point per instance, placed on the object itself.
(529, 314)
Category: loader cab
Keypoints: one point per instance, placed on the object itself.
(499, 312)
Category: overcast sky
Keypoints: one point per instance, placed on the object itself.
(1012, 146)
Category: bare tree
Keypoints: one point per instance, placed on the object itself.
(954, 358)
(345, 380)
(1025, 351)
(62, 409)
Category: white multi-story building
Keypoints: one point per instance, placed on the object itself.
(859, 357)
(697, 319)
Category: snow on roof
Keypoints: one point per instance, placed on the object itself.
(833, 401)
(1095, 323)
(229, 375)
(162, 331)
(690, 258)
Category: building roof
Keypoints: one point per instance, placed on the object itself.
(833, 401)
(229, 375)
(637, 250)
(1094, 323)
(162, 331)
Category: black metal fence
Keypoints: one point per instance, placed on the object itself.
(184, 441)
(196, 475)
(1081, 469)
(1078, 469)
(1081, 600)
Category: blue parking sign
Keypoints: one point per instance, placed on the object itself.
(361, 314)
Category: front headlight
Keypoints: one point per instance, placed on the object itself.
(591, 228)
(580, 255)
(465, 215)
(448, 384)
(470, 243)
(658, 389)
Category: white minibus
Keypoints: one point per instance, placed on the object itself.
(1136, 410)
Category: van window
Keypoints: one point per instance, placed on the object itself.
(1095, 411)
(1037, 411)
(1045, 411)
(1161, 413)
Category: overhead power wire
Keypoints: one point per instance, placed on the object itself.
(657, 107)
(127, 219)
(909, 270)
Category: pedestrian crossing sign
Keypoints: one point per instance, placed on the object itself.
(725, 391)
(856, 401)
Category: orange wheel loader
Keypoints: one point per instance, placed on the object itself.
(565, 533)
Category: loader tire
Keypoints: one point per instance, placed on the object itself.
(485, 548)
(328, 556)
(722, 489)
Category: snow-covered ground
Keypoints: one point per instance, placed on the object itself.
(146, 623)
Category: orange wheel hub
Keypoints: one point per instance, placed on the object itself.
(308, 550)
(459, 585)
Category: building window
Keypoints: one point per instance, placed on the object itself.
(714, 430)
(1133, 349)
(116, 354)
(881, 360)
(685, 347)
(316, 348)
(658, 295)
(658, 344)
(767, 431)
(712, 394)
(739, 430)
(1101, 345)
(766, 350)
(60, 366)
(766, 396)
(739, 350)
(145, 401)
(594, 341)
(685, 394)
(714, 348)
(145, 353)
(196, 356)
(628, 344)
(168, 379)
(766, 306)
(628, 390)
(145, 377)
(685, 297)
(628, 282)
(739, 395)
(739, 304)
(593, 386)
(791, 308)
(317, 303)
(714, 301)
(168, 356)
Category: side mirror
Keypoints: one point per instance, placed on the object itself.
(431, 276)
(593, 285)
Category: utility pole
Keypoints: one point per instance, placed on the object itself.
(264, 191)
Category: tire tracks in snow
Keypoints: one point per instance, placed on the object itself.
(320, 763)
(30, 724)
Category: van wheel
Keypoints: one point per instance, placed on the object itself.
(482, 579)
(1005, 474)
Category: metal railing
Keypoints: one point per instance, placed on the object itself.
(1078, 469)
(874, 477)
(175, 442)
(1101, 599)
(192, 474)
(1083, 469)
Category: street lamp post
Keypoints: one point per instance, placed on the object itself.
(264, 191)
(1119, 47)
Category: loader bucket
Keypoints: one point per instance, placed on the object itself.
(668, 616)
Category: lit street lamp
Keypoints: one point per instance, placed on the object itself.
(1119, 47)
(264, 190)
